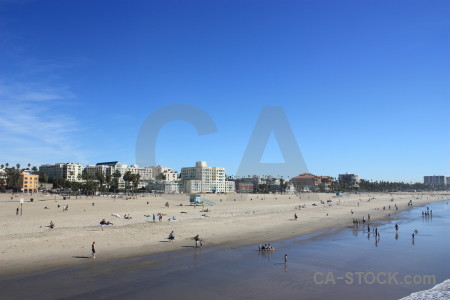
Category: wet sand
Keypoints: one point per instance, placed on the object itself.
(230, 272)
(29, 245)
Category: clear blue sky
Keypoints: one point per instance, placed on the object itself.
(365, 84)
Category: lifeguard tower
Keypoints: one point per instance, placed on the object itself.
(196, 199)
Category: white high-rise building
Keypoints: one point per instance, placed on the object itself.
(146, 173)
(168, 173)
(204, 179)
(67, 171)
(108, 169)
(436, 180)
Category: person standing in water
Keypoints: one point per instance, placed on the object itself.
(285, 258)
(93, 249)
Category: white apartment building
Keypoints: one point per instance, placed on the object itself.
(94, 169)
(68, 171)
(146, 173)
(436, 180)
(108, 169)
(204, 179)
(164, 186)
(168, 173)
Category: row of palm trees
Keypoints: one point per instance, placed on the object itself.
(383, 186)
(99, 182)
(17, 166)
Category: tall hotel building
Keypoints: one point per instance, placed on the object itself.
(68, 171)
(436, 180)
(204, 179)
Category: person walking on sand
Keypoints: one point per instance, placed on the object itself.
(93, 249)
(295, 217)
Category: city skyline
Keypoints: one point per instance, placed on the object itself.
(364, 85)
(175, 171)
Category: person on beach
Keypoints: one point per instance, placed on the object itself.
(295, 217)
(197, 241)
(172, 236)
(52, 225)
(93, 249)
(285, 258)
(396, 227)
(154, 218)
(17, 211)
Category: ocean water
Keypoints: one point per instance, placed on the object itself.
(340, 263)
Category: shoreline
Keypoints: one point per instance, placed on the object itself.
(271, 220)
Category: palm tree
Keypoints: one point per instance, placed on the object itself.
(18, 166)
(7, 165)
(128, 176)
(3, 166)
(29, 165)
(100, 177)
(135, 179)
(108, 179)
(117, 176)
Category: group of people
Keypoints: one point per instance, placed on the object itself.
(427, 213)
(265, 247)
(104, 222)
(197, 239)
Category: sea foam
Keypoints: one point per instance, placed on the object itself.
(439, 291)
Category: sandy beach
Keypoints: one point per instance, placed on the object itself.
(28, 244)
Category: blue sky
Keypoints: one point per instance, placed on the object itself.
(365, 85)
